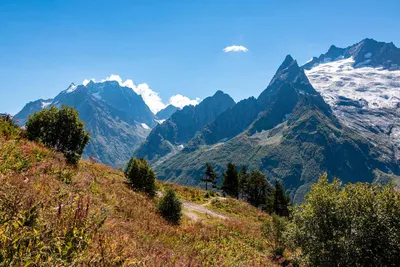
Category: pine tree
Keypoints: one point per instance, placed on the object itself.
(278, 201)
(141, 176)
(170, 207)
(258, 189)
(230, 183)
(281, 200)
(210, 176)
(243, 182)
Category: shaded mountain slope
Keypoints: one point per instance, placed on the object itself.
(173, 134)
(166, 113)
(295, 139)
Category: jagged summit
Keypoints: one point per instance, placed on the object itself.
(288, 72)
(286, 63)
(366, 53)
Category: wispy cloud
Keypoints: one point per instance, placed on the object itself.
(150, 97)
(235, 48)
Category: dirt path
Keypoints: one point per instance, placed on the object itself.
(190, 207)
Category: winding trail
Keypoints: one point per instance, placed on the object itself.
(191, 209)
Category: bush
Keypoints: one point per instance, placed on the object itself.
(357, 225)
(8, 128)
(273, 230)
(140, 176)
(60, 129)
(170, 207)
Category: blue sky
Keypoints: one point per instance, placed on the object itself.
(175, 47)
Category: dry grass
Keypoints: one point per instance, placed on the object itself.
(88, 216)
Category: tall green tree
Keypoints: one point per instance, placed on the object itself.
(354, 225)
(230, 182)
(258, 189)
(278, 201)
(140, 176)
(60, 129)
(210, 176)
(243, 182)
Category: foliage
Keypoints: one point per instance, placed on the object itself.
(60, 129)
(8, 128)
(257, 189)
(273, 229)
(243, 182)
(210, 176)
(28, 238)
(230, 182)
(103, 222)
(170, 207)
(357, 225)
(278, 201)
(141, 176)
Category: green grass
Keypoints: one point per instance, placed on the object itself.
(53, 214)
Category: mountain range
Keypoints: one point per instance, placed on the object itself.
(338, 113)
(118, 119)
(306, 122)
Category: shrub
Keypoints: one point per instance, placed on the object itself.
(8, 128)
(273, 230)
(354, 225)
(170, 207)
(140, 176)
(60, 129)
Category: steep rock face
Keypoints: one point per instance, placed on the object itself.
(295, 138)
(116, 117)
(175, 132)
(260, 112)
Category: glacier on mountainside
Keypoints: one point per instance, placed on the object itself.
(366, 99)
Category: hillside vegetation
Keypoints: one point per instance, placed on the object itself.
(52, 213)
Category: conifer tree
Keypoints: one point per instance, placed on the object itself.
(170, 207)
(141, 176)
(281, 200)
(210, 176)
(243, 182)
(278, 201)
(230, 183)
(258, 189)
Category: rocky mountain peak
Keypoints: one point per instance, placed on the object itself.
(366, 53)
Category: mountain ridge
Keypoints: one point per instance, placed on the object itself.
(295, 138)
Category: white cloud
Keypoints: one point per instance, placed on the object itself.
(150, 97)
(180, 101)
(235, 48)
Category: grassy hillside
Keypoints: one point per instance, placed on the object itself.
(55, 214)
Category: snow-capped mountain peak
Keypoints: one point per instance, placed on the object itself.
(367, 52)
(361, 83)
